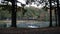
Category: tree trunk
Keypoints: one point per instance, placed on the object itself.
(58, 11)
(55, 16)
(50, 13)
(14, 10)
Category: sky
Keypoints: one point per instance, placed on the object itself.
(0, 1)
(24, 2)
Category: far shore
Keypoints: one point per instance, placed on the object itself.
(9, 21)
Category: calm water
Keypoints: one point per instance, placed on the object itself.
(32, 24)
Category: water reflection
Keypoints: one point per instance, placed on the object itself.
(32, 24)
(28, 25)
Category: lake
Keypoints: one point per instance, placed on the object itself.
(32, 24)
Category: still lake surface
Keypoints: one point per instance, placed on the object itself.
(32, 24)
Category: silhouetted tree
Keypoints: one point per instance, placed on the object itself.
(14, 9)
(50, 1)
(58, 11)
